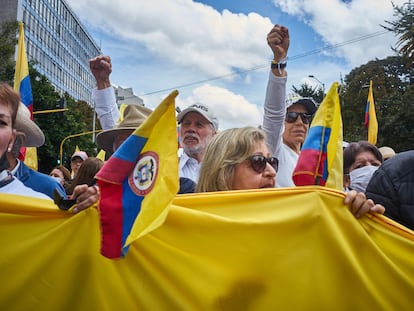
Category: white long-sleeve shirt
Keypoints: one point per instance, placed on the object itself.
(108, 115)
(106, 107)
(273, 125)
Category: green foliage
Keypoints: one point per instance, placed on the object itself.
(57, 126)
(8, 32)
(393, 97)
(403, 27)
(306, 90)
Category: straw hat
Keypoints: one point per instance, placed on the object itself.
(34, 135)
(134, 116)
(387, 152)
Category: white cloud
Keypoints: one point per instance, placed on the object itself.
(187, 33)
(232, 110)
(338, 22)
(162, 44)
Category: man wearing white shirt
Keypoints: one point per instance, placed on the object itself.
(198, 126)
(198, 123)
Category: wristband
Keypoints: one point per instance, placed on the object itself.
(279, 65)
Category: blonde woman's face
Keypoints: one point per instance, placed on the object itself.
(245, 177)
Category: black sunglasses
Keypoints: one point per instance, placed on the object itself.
(259, 162)
(291, 117)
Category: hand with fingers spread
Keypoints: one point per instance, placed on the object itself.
(360, 205)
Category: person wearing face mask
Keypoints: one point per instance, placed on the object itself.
(9, 107)
(62, 175)
(361, 160)
(239, 159)
(28, 134)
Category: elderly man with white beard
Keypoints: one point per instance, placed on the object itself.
(198, 126)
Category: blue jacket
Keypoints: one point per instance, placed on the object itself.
(38, 181)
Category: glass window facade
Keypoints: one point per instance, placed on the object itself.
(60, 44)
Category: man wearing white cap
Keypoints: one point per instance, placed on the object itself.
(30, 135)
(198, 126)
(198, 123)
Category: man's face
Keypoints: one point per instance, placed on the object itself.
(295, 132)
(195, 134)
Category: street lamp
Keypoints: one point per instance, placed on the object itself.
(320, 82)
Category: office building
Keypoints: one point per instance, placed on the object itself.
(58, 41)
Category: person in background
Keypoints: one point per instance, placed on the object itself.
(198, 125)
(62, 175)
(86, 174)
(238, 159)
(387, 152)
(198, 122)
(285, 122)
(109, 140)
(392, 185)
(30, 135)
(9, 106)
(76, 161)
(361, 160)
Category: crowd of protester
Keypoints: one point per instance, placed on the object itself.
(211, 160)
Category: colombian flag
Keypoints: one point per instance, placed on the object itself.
(139, 181)
(371, 122)
(21, 75)
(320, 160)
(23, 86)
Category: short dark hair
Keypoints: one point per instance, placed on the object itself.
(355, 148)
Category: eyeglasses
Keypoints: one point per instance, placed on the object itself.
(291, 117)
(259, 162)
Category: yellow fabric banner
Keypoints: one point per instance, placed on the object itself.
(270, 249)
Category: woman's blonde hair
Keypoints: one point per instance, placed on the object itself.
(225, 150)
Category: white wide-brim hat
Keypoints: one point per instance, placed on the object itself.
(34, 135)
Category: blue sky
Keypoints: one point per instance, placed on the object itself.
(215, 51)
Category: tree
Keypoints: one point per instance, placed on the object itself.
(55, 126)
(8, 41)
(393, 96)
(404, 28)
(58, 125)
(306, 90)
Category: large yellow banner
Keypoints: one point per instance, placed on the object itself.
(275, 249)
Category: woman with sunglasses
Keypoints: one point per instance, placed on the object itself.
(238, 159)
(286, 122)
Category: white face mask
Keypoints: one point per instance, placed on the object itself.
(360, 177)
(58, 179)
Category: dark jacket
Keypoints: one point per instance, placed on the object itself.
(392, 185)
(38, 181)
